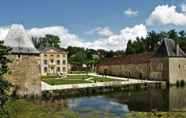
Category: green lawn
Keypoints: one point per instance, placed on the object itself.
(74, 79)
(78, 72)
(64, 81)
(103, 79)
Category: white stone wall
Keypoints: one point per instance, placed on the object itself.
(177, 69)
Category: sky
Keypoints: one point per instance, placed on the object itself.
(105, 24)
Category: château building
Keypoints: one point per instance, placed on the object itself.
(53, 61)
(167, 63)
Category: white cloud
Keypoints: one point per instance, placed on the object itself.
(111, 42)
(119, 41)
(164, 14)
(103, 31)
(130, 12)
(183, 8)
(3, 32)
(67, 38)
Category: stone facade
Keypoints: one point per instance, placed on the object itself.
(24, 74)
(177, 69)
(166, 69)
(24, 68)
(167, 64)
(53, 62)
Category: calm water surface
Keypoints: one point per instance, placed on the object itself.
(119, 103)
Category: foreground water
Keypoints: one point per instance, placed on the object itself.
(119, 103)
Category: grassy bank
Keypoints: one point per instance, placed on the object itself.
(156, 115)
(26, 109)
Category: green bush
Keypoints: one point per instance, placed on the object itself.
(182, 83)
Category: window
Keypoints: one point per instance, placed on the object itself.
(45, 69)
(58, 62)
(58, 55)
(64, 62)
(45, 62)
(58, 69)
(64, 69)
(45, 55)
(179, 66)
(52, 61)
(51, 55)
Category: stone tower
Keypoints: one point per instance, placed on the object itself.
(24, 68)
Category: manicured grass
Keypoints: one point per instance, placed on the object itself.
(78, 72)
(82, 77)
(64, 81)
(103, 79)
(75, 79)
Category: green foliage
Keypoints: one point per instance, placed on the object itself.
(26, 109)
(4, 85)
(4, 51)
(155, 115)
(46, 42)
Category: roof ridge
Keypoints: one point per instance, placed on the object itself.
(166, 46)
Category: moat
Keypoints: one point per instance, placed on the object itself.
(119, 103)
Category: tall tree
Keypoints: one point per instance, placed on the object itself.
(46, 42)
(4, 85)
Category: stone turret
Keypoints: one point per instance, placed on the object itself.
(25, 74)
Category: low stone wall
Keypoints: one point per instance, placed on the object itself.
(24, 74)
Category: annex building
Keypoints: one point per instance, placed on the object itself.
(167, 63)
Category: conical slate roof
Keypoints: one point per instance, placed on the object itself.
(19, 40)
(168, 48)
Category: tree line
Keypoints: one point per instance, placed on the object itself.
(80, 55)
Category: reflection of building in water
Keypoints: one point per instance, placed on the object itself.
(177, 98)
(153, 100)
(167, 63)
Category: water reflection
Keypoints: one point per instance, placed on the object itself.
(120, 102)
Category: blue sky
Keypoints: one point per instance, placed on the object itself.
(81, 16)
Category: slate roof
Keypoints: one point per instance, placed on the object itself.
(20, 41)
(168, 48)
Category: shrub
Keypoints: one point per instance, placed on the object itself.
(182, 83)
